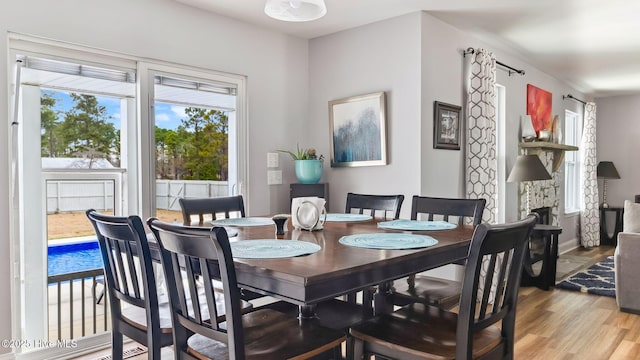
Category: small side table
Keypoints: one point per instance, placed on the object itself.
(605, 239)
(547, 275)
(320, 190)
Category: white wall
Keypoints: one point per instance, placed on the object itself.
(442, 80)
(618, 131)
(442, 170)
(275, 65)
(384, 56)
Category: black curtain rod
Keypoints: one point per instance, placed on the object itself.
(569, 96)
(511, 69)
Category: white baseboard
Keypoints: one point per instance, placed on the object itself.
(65, 351)
(8, 356)
(566, 246)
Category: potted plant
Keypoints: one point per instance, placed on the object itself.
(308, 164)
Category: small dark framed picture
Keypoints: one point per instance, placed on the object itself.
(446, 126)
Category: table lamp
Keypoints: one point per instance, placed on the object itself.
(606, 170)
(528, 168)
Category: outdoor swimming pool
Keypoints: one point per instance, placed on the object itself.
(67, 258)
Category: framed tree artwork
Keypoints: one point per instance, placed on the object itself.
(358, 130)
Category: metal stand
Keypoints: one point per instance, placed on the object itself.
(604, 195)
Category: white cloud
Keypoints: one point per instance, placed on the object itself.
(178, 110)
(163, 117)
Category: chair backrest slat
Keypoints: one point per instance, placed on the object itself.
(212, 207)
(380, 206)
(133, 272)
(177, 279)
(498, 298)
(445, 208)
(488, 280)
(206, 274)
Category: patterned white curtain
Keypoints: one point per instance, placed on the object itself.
(481, 148)
(589, 215)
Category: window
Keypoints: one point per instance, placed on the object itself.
(572, 191)
(187, 104)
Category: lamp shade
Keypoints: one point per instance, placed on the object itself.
(607, 170)
(528, 168)
(295, 10)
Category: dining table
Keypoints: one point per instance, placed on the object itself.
(337, 269)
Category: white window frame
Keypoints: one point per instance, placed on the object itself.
(572, 163)
(146, 74)
(33, 281)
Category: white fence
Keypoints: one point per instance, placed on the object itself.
(169, 191)
(79, 195)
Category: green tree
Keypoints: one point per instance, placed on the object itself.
(49, 122)
(206, 151)
(85, 130)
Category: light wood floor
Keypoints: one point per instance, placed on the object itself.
(560, 324)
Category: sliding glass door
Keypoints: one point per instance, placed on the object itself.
(94, 130)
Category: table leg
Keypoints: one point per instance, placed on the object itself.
(554, 259)
(604, 233)
(618, 227)
(544, 279)
(307, 312)
(381, 299)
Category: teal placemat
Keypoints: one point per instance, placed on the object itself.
(337, 217)
(243, 221)
(272, 249)
(388, 241)
(416, 225)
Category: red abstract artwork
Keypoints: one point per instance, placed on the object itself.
(539, 107)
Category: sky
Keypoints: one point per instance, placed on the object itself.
(167, 116)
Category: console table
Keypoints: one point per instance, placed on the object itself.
(605, 239)
(547, 277)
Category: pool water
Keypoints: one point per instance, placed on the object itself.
(63, 259)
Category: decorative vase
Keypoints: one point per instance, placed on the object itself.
(308, 171)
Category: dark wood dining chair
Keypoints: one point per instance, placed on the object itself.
(378, 206)
(428, 289)
(483, 327)
(261, 334)
(131, 284)
(211, 209)
(207, 209)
